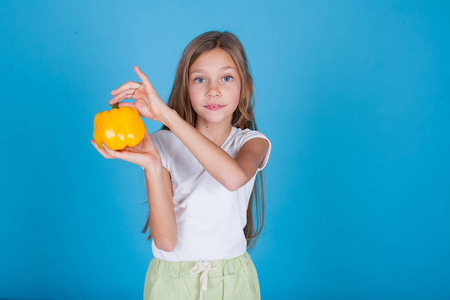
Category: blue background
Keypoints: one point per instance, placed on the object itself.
(354, 96)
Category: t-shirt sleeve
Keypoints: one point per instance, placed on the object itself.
(256, 134)
(159, 140)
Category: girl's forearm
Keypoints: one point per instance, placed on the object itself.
(162, 221)
(214, 159)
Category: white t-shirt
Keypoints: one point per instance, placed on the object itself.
(210, 218)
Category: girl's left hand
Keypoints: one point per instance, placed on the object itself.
(147, 101)
(143, 154)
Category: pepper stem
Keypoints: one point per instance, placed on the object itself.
(116, 105)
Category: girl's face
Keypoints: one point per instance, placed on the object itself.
(214, 87)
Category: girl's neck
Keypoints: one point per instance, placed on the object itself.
(216, 132)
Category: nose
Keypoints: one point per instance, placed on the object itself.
(213, 90)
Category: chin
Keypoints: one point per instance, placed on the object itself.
(217, 120)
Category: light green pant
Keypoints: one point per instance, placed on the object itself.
(232, 279)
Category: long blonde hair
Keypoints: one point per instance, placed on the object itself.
(243, 117)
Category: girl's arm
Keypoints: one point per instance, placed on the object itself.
(162, 221)
(231, 173)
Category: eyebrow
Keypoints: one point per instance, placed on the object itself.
(201, 70)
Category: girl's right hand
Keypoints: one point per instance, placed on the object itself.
(147, 101)
(143, 154)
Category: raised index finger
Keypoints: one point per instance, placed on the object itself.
(142, 76)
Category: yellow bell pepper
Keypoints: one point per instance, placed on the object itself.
(118, 128)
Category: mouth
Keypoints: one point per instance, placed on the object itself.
(214, 106)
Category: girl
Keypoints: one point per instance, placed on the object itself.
(200, 170)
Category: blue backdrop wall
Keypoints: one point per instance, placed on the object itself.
(354, 96)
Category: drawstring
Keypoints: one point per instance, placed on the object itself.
(204, 267)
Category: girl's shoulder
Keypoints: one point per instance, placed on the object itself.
(241, 136)
(162, 133)
(163, 136)
(167, 144)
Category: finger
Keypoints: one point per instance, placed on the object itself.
(129, 104)
(126, 94)
(126, 86)
(100, 150)
(142, 76)
(110, 152)
(119, 154)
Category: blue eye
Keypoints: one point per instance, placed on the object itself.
(199, 80)
(227, 78)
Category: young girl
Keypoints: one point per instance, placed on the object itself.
(200, 171)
